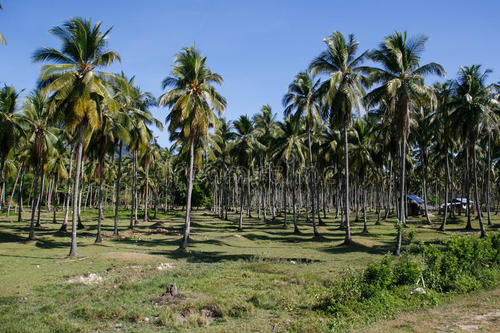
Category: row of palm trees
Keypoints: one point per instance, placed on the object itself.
(85, 127)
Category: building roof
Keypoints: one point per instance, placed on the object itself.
(415, 198)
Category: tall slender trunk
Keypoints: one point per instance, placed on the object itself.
(2, 181)
(136, 203)
(146, 196)
(187, 224)
(446, 199)
(488, 181)
(476, 193)
(424, 183)
(13, 190)
(365, 227)
(78, 168)
(56, 199)
(402, 198)
(82, 179)
(133, 192)
(311, 176)
(40, 198)
(98, 238)
(34, 206)
(249, 200)
(20, 195)
(117, 189)
(294, 201)
(242, 196)
(347, 224)
(68, 192)
(467, 189)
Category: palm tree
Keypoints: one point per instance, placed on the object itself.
(402, 79)
(473, 113)
(10, 126)
(192, 100)
(265, 127)
(445, 135)
(342, 92)
(76, 86)
(289, 147)
(301, 99)
(42, 139)
(243, 150)
(222, 138)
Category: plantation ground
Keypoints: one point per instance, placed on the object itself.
(262, 278)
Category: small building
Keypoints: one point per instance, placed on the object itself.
(414, 204)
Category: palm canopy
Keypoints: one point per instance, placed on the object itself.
(401, 76)
(10, 121)
(473, 104)
(290, 140)
(343, 90)
(193, 97)
(72, 77)
(302, 97)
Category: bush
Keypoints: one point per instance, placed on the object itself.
(377, 276)
(407, 271)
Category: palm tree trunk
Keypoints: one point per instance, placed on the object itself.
(467, 188)
(242, 196)
(2, 180)
(187, 223)
(117, 189)
(476, 192)
(146, 196)
(311, 176)
(82, 178)
(446, 199)
(488, 181)
(34, 206)
(424, 182)
(365, 227)
(249, 199)
(402, 198)
(166, 195)
(40, 198)
(79, 152)
(20, 195)
(136, 203)
(98, 238)
(133, 193)
(56, 199)
(68, 192)
(13, 190)
(294, 201)
(347, 224)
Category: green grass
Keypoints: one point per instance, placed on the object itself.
(263, 277)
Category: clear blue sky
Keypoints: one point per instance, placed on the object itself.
(257, 46)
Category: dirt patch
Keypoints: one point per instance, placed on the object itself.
(131, 257)
(155, 231)
(164, 266)
(91, 278)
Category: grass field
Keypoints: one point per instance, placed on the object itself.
(262, 279)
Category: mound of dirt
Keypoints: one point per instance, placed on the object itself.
(131, 257)
(91, 278)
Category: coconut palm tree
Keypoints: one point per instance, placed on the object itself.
(301, 99)
(243, 150)
(342, 92)
(10, 126)
(445, 135)
(41, 141)
(289, 147)
(192, 101)
(401, 77)
(473, 113)
(78, 89)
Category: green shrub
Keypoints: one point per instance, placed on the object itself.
(407, 271)
(377, 276)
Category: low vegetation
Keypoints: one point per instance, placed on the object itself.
(262, 278)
